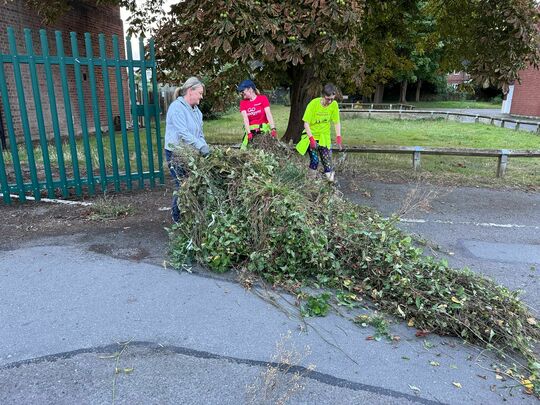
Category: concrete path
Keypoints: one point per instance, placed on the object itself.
(196, 339)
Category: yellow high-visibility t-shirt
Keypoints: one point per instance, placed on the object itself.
(319, 117)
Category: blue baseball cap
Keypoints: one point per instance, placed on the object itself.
(246, 84)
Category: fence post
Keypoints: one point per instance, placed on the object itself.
(491, 121)
(416, 158)
(503, 162)
(502, 123)
(476, 119)
(538, 128)
(516, 128)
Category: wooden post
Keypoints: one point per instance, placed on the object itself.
(502, 123)
(416, 158)
(491, 121)
(516, 128)
(476, 119)
(503, 162)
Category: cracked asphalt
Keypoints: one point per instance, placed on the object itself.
(90, 314)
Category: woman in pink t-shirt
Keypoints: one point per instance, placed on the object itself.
(255, 110)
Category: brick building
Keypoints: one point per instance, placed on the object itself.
(524, 98)
(456, 78)
(82, 19)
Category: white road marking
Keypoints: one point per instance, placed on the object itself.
(52, 200)
(482, 224)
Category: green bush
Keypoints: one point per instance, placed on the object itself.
(258, 210)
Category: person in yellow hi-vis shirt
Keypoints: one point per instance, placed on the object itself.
(316, 139)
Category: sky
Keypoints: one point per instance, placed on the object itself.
(124, 14)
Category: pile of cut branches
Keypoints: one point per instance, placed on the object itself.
(260, 211)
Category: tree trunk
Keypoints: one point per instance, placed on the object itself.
(418, 87)
(403, 91)
(379, 93)
(300, 97)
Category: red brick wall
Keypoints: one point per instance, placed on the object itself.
(526, 98)
(95, 20)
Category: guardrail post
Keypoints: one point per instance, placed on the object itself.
(491, 121)
(476, 119)
(447, 116)
(503, 162)
(502, 123)
(369, 113)
(516, 128)
(538, 128)
(416, 158)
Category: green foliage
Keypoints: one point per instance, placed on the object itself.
(378, 322)
(257, 209)
(317, 305)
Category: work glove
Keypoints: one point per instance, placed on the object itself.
(251, 134)
(338, 140)
(312, 143)
(273, 132)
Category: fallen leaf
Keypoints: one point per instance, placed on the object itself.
(454, 299)
(531, 321)
(414, 388)
(405, 358)
(396, 338)
(527, 384)
(401, 311)
(128, 370)
(370, 338)
(499, 377)
(435, 363)
(482, 376)
(422, 333)
(411, 322)
(456, 384)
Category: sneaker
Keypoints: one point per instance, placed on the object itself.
(330, 176)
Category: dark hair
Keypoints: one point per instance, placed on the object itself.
(329, 90)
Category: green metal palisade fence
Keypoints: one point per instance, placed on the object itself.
(49, 156)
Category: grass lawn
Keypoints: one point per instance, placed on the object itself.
(454, 104)
(522, 172)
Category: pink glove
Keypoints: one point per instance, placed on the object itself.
(273, 132)
(312, 142)
(250, 136)
(338, 140)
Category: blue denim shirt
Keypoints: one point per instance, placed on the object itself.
(184, 124)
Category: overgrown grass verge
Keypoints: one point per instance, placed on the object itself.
(258, 210)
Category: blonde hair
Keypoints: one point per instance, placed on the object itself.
(190, 83)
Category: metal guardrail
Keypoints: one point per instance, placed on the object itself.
(376, 106)
(417, 151)
(447, 114)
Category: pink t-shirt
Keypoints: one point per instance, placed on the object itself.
(255, 109)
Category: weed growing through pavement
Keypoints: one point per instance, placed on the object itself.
(283, 376)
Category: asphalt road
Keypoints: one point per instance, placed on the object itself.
(196, 339)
